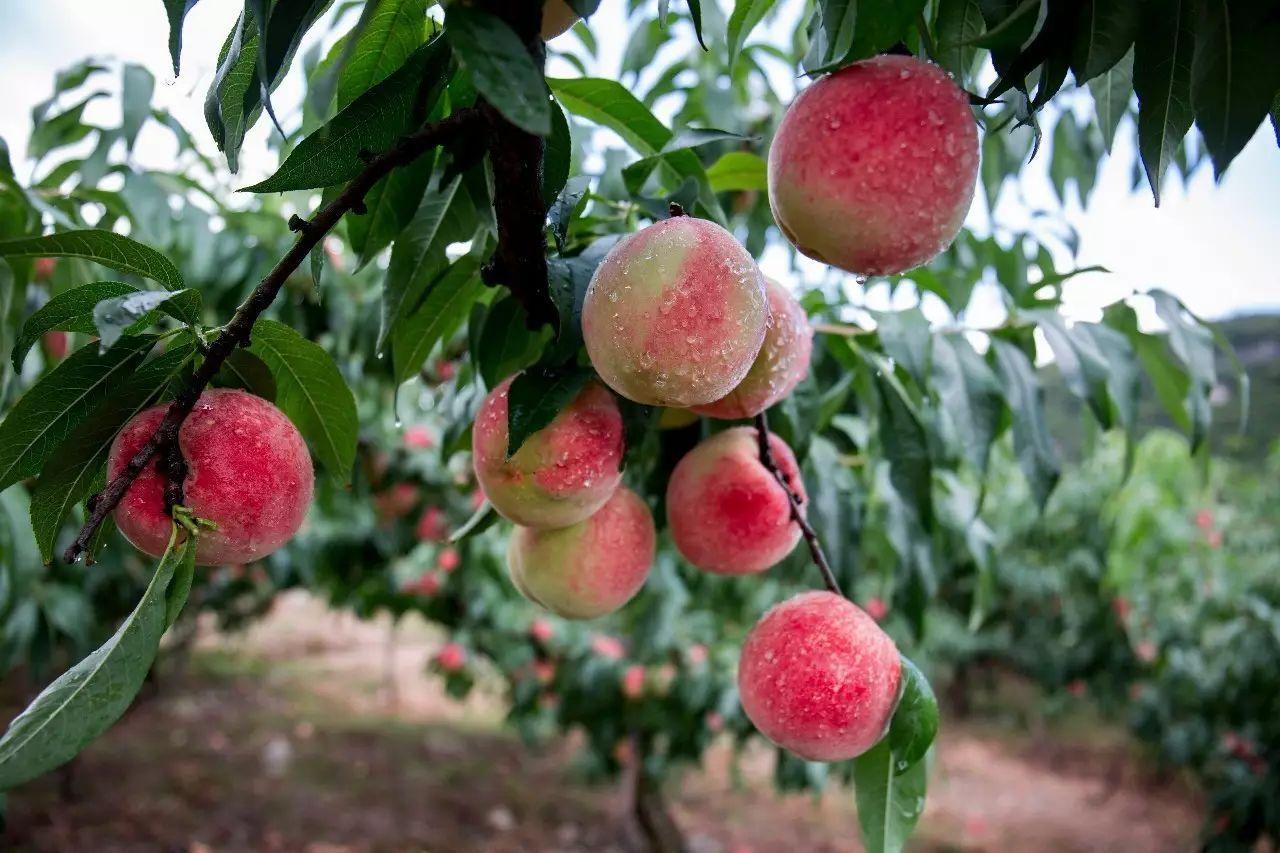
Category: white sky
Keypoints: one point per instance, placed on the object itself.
(1215, 246)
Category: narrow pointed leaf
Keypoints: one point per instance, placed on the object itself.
(112, 250)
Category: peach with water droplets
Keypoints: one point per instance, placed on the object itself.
(248, 471)
(818, 677)
(728, 514)
(675, 314)
(591, 568)
(873, 168)
(562, 473)
(783, 361)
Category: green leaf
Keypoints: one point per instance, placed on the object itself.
(419, 252)
(373, 122)
(1170, 381)
(233, 102)
(1234, 73)
(1105, 30)
(184, 574)
(1192, 343)
(536, 396)
(501, 67)
(970, 400)
(177, 11)
(906, 445)
(64, 397)
(1162, 81)
(448, 299)
(69, 311)
(906, 339)
(135, 101)
(831, 34)
(1083, 366)
(394, 31)
(746, 15)
(87, 699)
(738, 170)
(1111, 91)
(637, 173)
(610, 104)
(481, 520)
(390, 204)
(311, 391)
(556, 156)
(117, 315)
(104, 247)
(506, 344)
(80, 461)
(243, 369)
(66, 128)
(1031, 439)
(915, 720)
(889, 803)
(287, 21)
(957, 26)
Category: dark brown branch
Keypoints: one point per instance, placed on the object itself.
(236, 333)
(520, 261)
(797, 512)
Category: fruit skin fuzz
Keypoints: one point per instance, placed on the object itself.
(819, 677)
(727, 513)
(873, 168)
(783, 361)
(248, 471)
(590, 569)
(675, 314)
(562, 473)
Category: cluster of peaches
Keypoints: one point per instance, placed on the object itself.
(872, 171)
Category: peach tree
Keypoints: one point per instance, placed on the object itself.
(552, 278)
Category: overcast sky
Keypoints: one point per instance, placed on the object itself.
(1215, 246)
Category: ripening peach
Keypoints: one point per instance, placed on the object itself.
(432, 525)
(591, 568)
(452, 657)
(563, 473)
(873, 168)
(782, 362)
(249, 472)
(675, 314)
(818, 677)
(727, 512)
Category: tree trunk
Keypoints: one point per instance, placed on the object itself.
(657, 827)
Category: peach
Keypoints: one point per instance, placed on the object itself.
(873, 168)
(782, 362)
(675, 314)
(249, 472)
(432, 525)
(591, 568)
(452, 657)
(818, 677)
(727, 512)
(562, 473)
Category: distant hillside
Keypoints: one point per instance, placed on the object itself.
(1256, 338)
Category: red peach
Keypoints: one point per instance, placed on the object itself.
(633, 682)
(42, 269)
(562, 473)
(452, 657)
(726, 511)
(418, 438)
(544, 671)
(782, 363)
(249, 472)
(446, 370)
(432, 525)
(697, 655)
(395, 502)
(541, 630)
(591, 568)
(429, 584)
(818, 677)
(873, 168)
(675, 314)
(1204, 519)
(714, 721)
(448, 559)
(607, 647)
(56, 344)
(877, 609)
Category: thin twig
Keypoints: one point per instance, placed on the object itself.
(797, 513)
(236, 333)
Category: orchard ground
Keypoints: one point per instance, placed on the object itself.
(313, 732)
